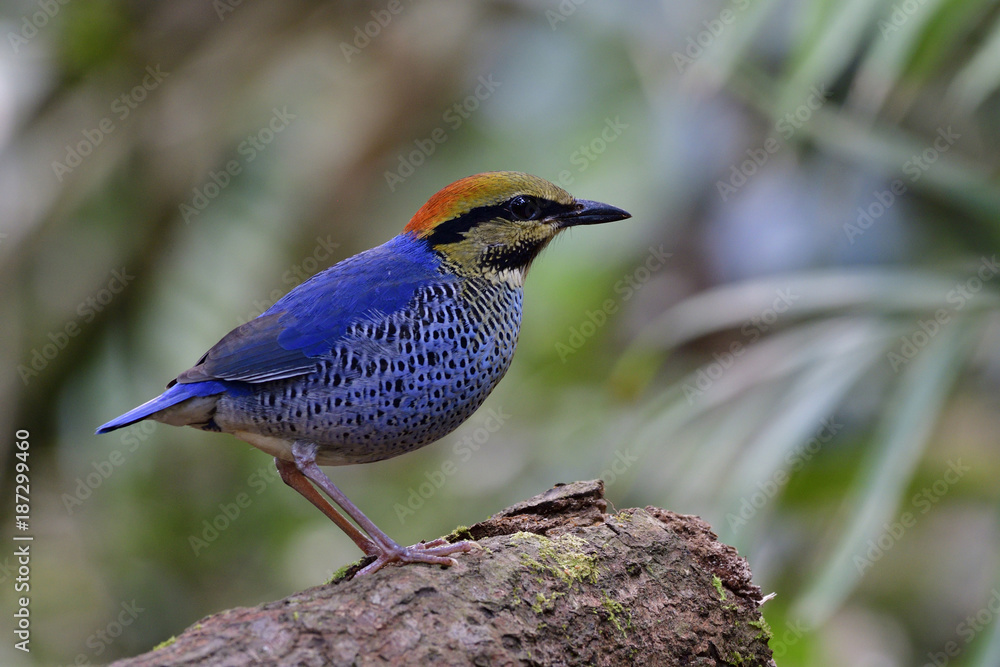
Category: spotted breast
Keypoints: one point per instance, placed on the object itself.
(394, 383)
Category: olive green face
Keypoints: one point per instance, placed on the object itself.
(502, 237)
(497, 223)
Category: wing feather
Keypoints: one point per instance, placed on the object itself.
(286, 340)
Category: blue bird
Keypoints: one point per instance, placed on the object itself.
(386, 351)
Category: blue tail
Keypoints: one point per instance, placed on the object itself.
(172, 396)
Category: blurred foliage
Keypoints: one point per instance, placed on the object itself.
(813, 368)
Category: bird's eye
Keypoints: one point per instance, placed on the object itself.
(523, 207)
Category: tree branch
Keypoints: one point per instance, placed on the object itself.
(558, 581)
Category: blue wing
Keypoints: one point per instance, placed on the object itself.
(285, 340)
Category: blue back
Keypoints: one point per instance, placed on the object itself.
(286, 340)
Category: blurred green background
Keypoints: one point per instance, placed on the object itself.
(795, 336)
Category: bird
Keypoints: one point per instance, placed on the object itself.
(384, 352)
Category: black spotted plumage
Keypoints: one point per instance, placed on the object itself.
(396, 382)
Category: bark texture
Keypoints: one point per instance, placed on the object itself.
(558, 581)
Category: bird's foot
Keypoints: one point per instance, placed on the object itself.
(435, 552)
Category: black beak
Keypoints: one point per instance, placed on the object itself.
(586, 212)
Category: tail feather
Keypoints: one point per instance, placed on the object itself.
(171, 397)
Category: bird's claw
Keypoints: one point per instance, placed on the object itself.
(433, 543)
(435, 552)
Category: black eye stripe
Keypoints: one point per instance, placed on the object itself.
(525, 207)
(453, 231)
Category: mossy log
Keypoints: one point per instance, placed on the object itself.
(557, 581)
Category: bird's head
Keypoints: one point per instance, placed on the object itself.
(496, 223)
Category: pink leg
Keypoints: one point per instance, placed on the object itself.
(385, 549)
(291, 476)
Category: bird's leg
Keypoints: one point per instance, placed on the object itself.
(291, 476)
(386, 550)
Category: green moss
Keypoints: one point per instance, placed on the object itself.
(339, 574)
(543, 603)
(460, 533)
(615, 610)
(765, 630)
(516, 595)
(563, 557)
(718, 586)
(165, 643)
(295, 615)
